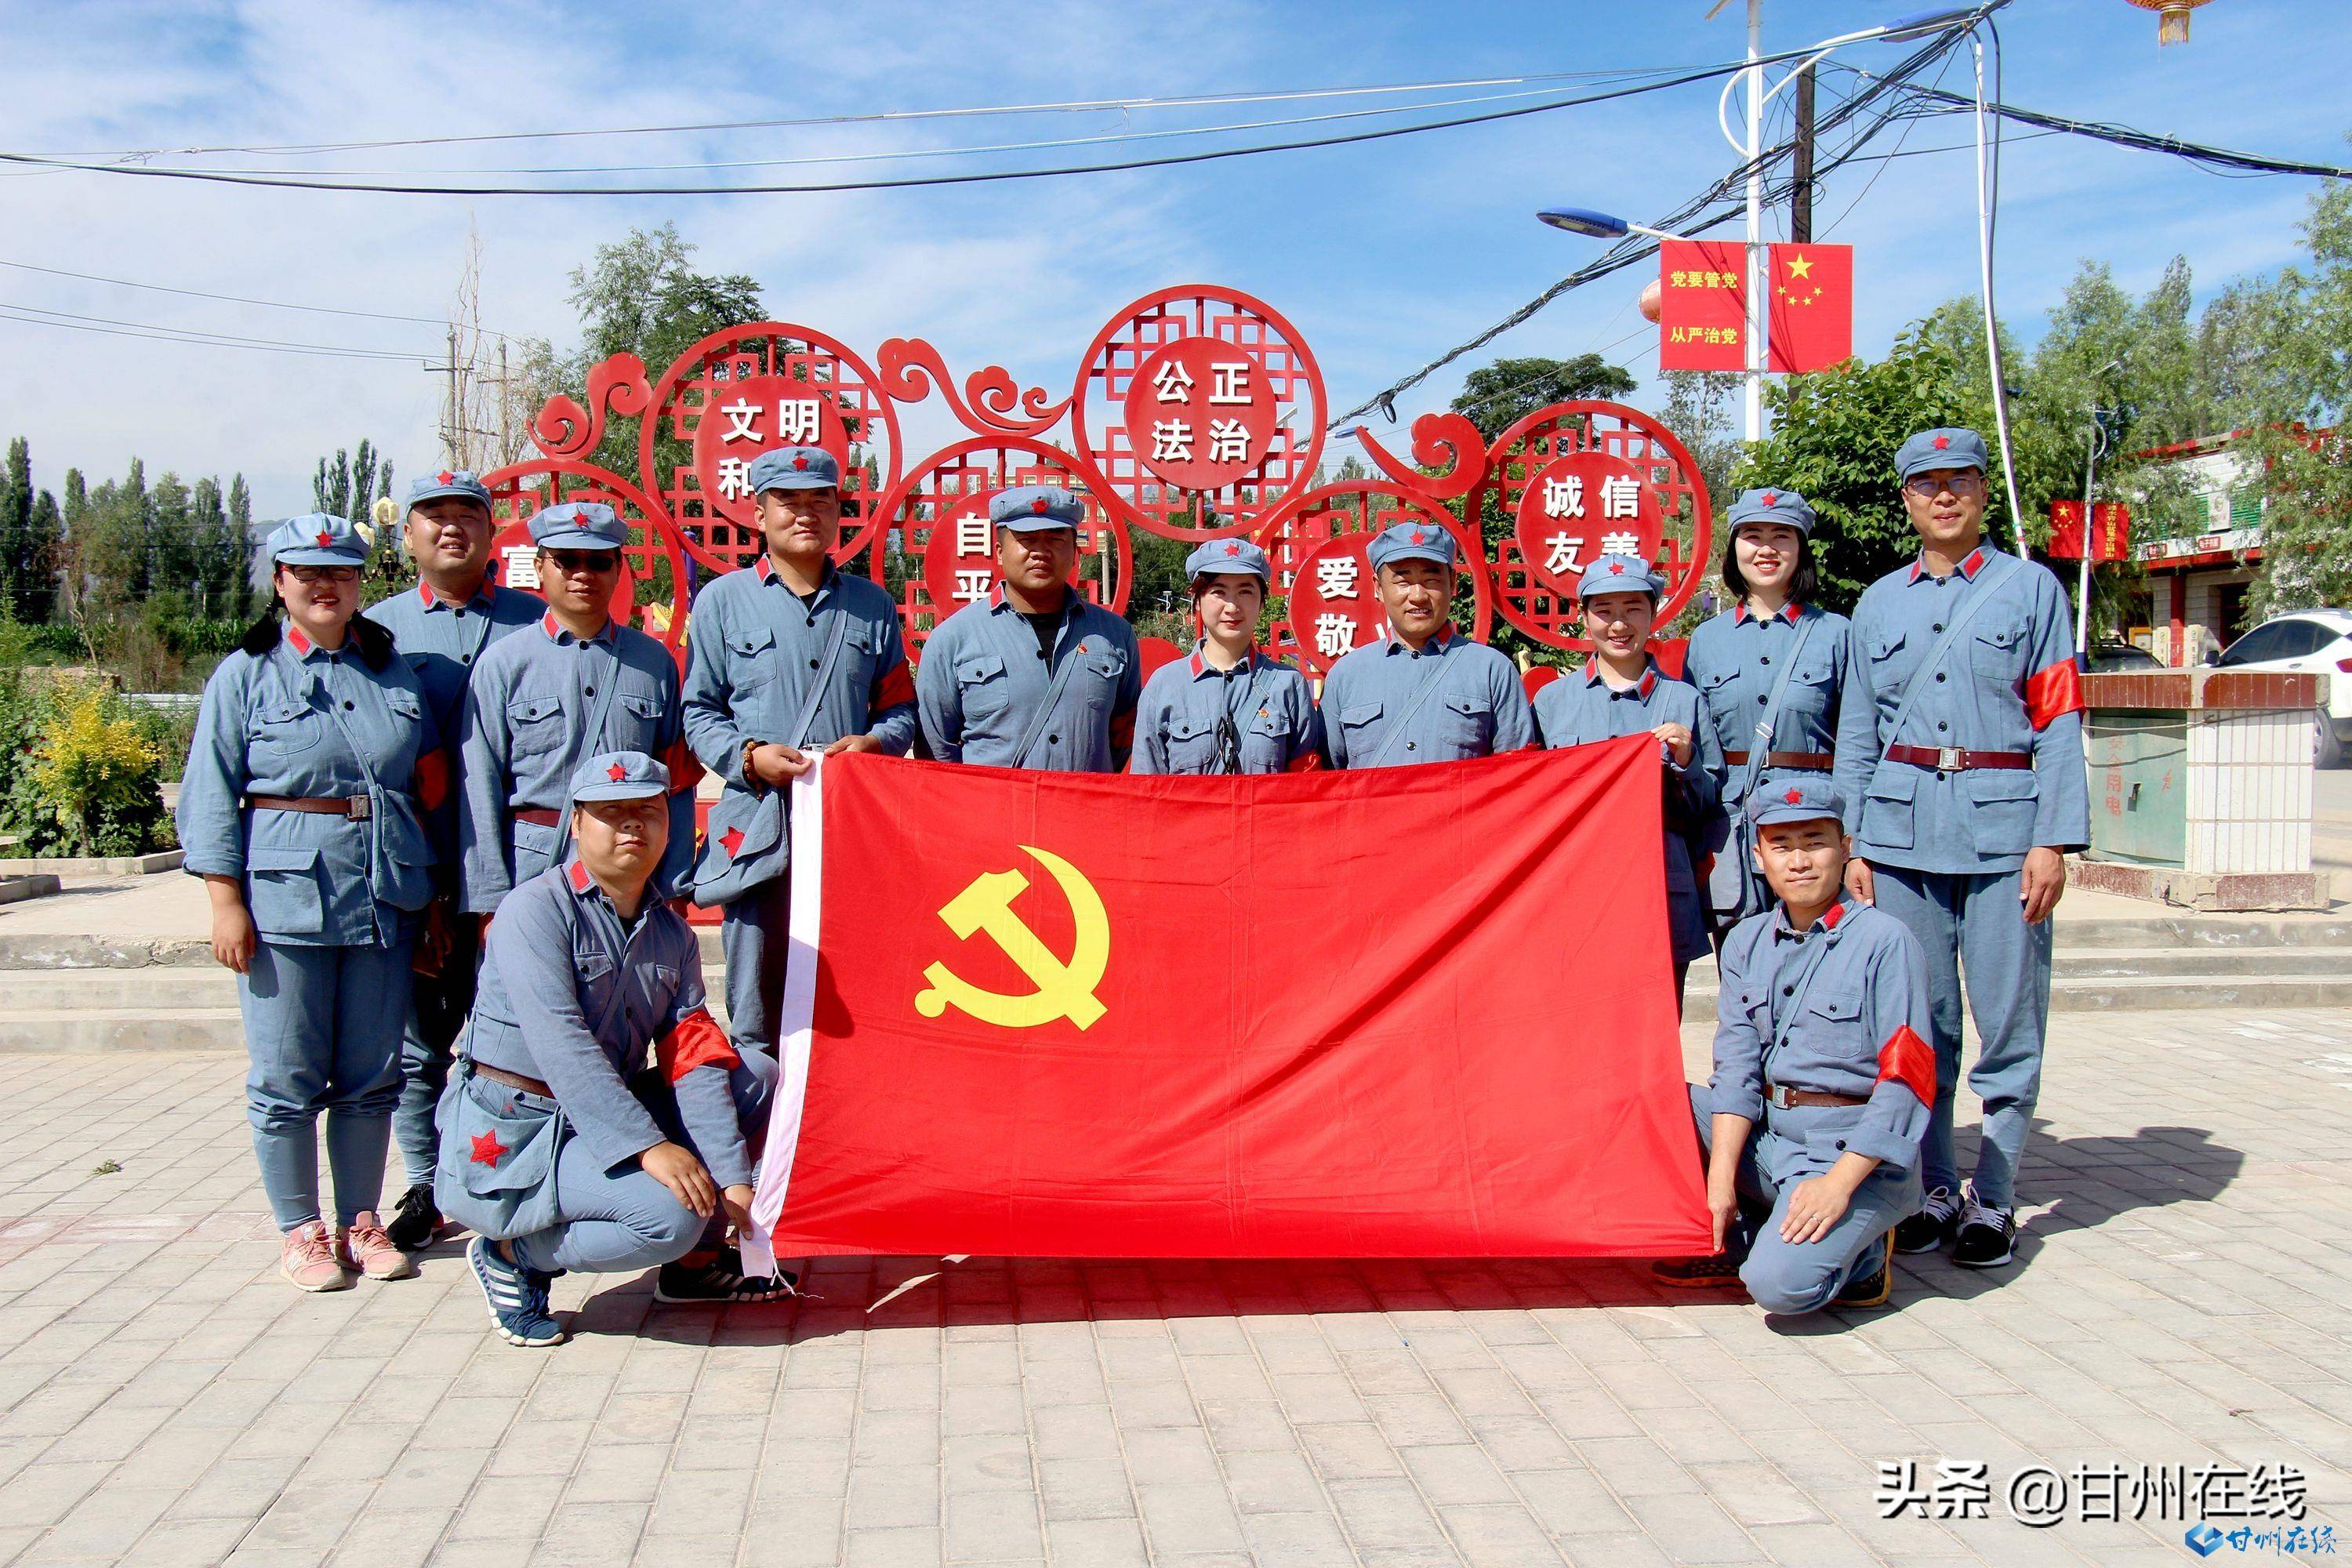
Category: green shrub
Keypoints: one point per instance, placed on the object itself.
(83, 777)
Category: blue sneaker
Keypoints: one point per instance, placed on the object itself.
(516, 1296)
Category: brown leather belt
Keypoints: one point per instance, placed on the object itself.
(353, 807)
(1783, 1096)
(1814, 762)
(513, 1080)
(542, 815)
(1957, 758)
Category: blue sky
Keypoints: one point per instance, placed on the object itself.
(1383, 254)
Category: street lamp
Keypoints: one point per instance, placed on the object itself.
(1595, 224)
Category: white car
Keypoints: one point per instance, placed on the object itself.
(2308, 641)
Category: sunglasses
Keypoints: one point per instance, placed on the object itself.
(573, 560)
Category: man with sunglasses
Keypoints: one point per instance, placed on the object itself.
(1960, 753)
(442, 627)
(579, 685)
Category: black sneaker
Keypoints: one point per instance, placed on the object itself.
(1716, 1271)
(1987, 1236)
(1871, 1289)
(721, 1281)
(1932, 1227)
(417, 1222)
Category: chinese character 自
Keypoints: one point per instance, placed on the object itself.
(971, 536)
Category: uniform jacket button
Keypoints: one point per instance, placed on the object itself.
(811, 664)
(1053, 739)
(347, 707)
(1413, 746)
(1841, 1143)
(588, 690)
(1787, 991)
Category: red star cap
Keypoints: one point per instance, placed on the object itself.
(325, 538)
(1795, 796)
(800, 462)
(1771, 498)
(616, 773)
(445, 477)
(1940, 442)
(1041, 506)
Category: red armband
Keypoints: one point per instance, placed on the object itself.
(685, 768)
(695, 1041)
(1911, 1061)
(895, 687)
(431, 779)
(2054, 692)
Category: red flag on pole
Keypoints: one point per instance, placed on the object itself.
(1702, 304)
(1058, 1015)
(2110, 530)
(1811, 307)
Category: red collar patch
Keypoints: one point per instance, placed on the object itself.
(1835, 913)
(296, 640)
(577, 874)
(764, 569)
(1647, 684)
(1974, 563)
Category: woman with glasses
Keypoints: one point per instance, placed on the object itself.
(582, 684)
(315, 765)
(1769, 671)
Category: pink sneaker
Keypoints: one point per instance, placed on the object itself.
(307, 1258)
(365, 1249)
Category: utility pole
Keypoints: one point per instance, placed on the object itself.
(449, 442)
(1800, 195)
(1753, 269)
(2090, 535)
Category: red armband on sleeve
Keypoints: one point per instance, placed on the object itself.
(894, 688)
(432, 779)
(697, 1040)
(2052, 692)
(1911, 1061)
(685, 767)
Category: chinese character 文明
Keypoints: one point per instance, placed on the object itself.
(1172, 441)
(1899, 1491)
(1621, 496)
(1172, 381)
(1563, 496)
(971, 585)
(1229, 382)
(734, 476)
(796, 422)
(1229, 441)
(1336, 578)
(1335, 634)
(740, 414)
(1621, 544)
(971, 536)
(1561, 552)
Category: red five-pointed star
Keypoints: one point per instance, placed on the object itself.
(616, 773)
(1942, 442)
(1233, 550)
(800, 462)
(325, 538)
(1419, 537)
(488, 1150)
(1770, 498)
(731, 840)
(445, 477)
(1617, 568)
(1041, 505)
(1794, 797)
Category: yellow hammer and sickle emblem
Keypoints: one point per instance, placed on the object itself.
(1064, 990)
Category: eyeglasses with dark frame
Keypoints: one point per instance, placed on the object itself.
(1924, 486)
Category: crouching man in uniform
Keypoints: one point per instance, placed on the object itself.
(597, 1118)
(1822, 1039)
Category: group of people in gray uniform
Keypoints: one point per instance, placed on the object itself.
(448, 841)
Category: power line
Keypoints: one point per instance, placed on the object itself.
(34, 315)
(241, 300)
(1212, 154)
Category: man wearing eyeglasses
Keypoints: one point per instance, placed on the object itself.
(1960, 753)
(579, 685)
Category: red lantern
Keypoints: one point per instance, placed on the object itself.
(2171, 18)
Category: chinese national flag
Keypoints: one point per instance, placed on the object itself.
(1811, 307)
(1702, 304)
(1401, 1012)
(2110, 530)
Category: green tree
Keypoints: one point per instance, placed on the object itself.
(1833, 439)
(240, 538)
(1497, 396)
(171, 537)
(18, 562)
(36, 586)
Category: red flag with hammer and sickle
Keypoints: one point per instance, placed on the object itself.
(1401, 1012)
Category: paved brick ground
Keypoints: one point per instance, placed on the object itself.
(2182, 1298)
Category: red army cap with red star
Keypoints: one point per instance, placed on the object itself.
(1950, 448)
(619, 775)
(1033, 508)
(1238, 557)
(1410, 541)
(317, 539)
(443, 482)
(1806, 798)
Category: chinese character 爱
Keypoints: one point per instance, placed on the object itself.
(1336, 578)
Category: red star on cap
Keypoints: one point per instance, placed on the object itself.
(1233, 550)
(1940, 442)
(1617, 569)
(1419, 537)
(1771, 498)
(731, 840)
(1795, 797)
(445, 477)
(800, 462)
(616, 773)
(325, 538)
(488, 1150)
(1041, 506)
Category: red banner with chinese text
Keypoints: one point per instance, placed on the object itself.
(1402, 1012)
(2110, 530)
(1702, 304)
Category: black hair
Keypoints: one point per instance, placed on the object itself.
(373, 641)
(1803, 583)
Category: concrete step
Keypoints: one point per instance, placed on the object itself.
(83, 1029)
